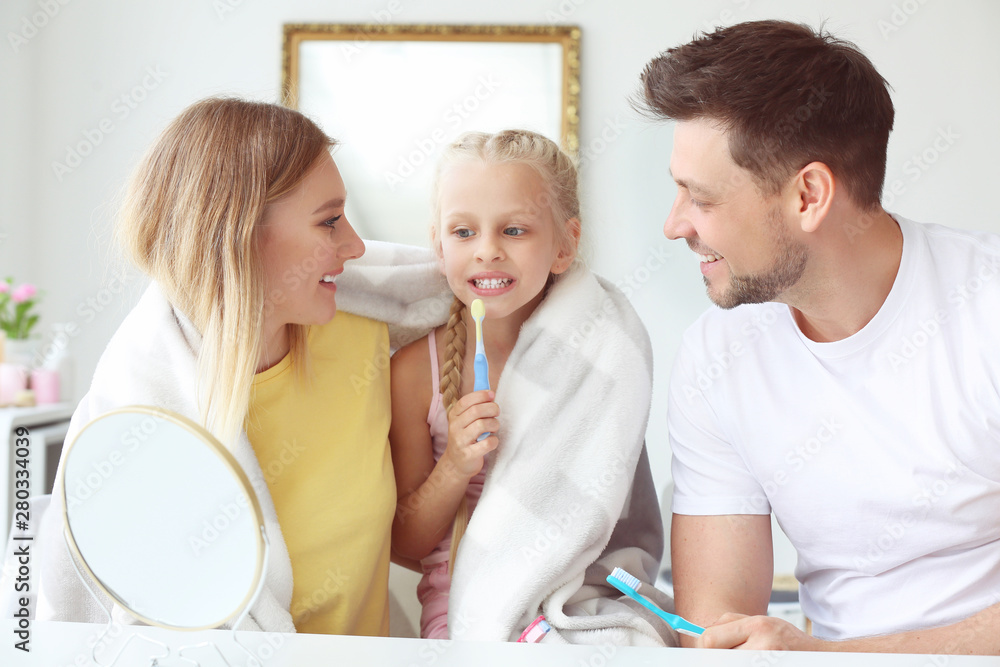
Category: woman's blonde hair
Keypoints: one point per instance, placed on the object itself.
(191, 219)
(560, 196)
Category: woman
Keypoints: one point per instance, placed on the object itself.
(237, 214)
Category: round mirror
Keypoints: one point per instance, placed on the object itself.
(163, 518)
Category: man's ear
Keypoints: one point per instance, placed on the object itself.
(570, 247)
(815, 187)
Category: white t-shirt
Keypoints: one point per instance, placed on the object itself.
(879, 454)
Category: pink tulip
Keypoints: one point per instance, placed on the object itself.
(4, 287)
(23, 292)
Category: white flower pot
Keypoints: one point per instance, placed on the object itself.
(23, 352)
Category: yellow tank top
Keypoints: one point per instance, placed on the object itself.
(324, 451)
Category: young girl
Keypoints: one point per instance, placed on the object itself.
(506, 230)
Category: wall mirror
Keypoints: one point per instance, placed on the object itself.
(163, 519)
(394, 95)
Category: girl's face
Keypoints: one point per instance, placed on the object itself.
(497, 237)
(306, 240)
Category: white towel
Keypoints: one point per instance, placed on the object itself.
(568, 494)
(152, 359)
(398, 284)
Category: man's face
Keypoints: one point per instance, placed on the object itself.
(747, 246)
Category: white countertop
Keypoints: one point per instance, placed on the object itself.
(64, 644)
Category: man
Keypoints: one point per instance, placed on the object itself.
(855, 391)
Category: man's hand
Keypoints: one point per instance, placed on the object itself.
(760, 633)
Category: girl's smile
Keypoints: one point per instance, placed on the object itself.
(492, 283)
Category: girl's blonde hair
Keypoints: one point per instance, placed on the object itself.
(560, 196)
(191, 219)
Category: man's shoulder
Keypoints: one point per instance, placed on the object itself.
(720, 329)
(943, 240)
(726, 322)
(958, 267)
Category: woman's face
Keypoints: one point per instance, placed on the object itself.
(306, 239)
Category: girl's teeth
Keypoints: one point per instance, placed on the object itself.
(329, 279)
(491, 283)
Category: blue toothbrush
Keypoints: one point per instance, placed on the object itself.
(629, 585)
(480, 365)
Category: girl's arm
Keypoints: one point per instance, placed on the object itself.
(428, 494)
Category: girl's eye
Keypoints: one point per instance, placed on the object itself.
(332, 222)
(514, 231)
(463, 233)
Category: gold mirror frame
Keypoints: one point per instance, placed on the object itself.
(567, 36)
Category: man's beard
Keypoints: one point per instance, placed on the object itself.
(764, 287)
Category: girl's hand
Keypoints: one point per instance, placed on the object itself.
(472, 415)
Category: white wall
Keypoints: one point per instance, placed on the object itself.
(942, 60)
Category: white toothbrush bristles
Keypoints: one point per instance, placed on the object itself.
(626, 578)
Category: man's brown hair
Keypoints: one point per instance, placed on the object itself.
(786, 96)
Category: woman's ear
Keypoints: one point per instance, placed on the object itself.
(570, 245)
